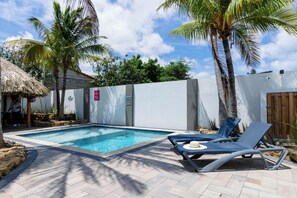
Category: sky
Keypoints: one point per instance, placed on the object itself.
(136, 27)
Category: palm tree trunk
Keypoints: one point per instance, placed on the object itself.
(220, 79)
(61, 114)
(232, 92)
(1, 131)
(56, 75)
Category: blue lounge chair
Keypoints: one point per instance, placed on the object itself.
(247, 144)
(224, 131)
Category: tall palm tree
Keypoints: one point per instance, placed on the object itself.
(203, 28)
(44, 52)
(70, 39)
(77, 39)
(236, 20)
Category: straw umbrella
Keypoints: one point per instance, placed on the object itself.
(16, 82)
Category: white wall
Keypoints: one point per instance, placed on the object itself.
(161, 105)
(73, 102)
(111, 108)
(41, 104)
(164, 105)
(208, 103)
(251, 95)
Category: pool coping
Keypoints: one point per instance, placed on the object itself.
(15, 136)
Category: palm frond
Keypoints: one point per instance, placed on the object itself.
(41, 29)
(192, 31)
(89, 9)
(83, 42)
(247, 45)
(35, 53)
(95, 49)
(265, 21)
(237, 8)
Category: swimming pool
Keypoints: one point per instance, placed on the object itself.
(100, 139)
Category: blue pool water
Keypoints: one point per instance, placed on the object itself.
(102, 139)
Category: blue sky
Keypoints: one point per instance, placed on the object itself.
(135, 27)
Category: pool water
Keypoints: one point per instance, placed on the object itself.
(101, 139)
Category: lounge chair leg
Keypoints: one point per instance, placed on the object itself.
(196, 156)
(281, 159)
(191, 162)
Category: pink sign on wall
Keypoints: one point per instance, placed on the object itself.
(96, 95)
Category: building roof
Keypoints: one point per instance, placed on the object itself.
(15, 81)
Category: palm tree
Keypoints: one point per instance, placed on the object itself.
(44, 52)
(69, 40)
(202, 29)
(236, 20)
(77, 41)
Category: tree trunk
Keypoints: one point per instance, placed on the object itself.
(232, 92)
(61, 114)
(1, 130)
(220, 79)
(56, 75)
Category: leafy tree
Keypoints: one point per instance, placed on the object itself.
(113, 71)
(176, 71)
(253, 71)
(107, 70)
(131, 71)
(152, 70)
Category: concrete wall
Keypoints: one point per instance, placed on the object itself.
(208, 103)
(174, 105)
(251, 95)
(111, 108)
(73, 103)
(161, 105)
(41, 104)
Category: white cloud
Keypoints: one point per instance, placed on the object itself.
(24, 35)
(279, 53)
(19, 12)
(10, 10)
(130, 26)
(200, 75)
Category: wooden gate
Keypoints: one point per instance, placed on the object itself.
(281, 113)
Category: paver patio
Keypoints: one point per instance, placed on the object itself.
(151, 171)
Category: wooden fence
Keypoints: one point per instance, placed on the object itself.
(281, 113)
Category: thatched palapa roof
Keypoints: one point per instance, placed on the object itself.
(15, 81)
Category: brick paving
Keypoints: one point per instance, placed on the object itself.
(152, 171)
